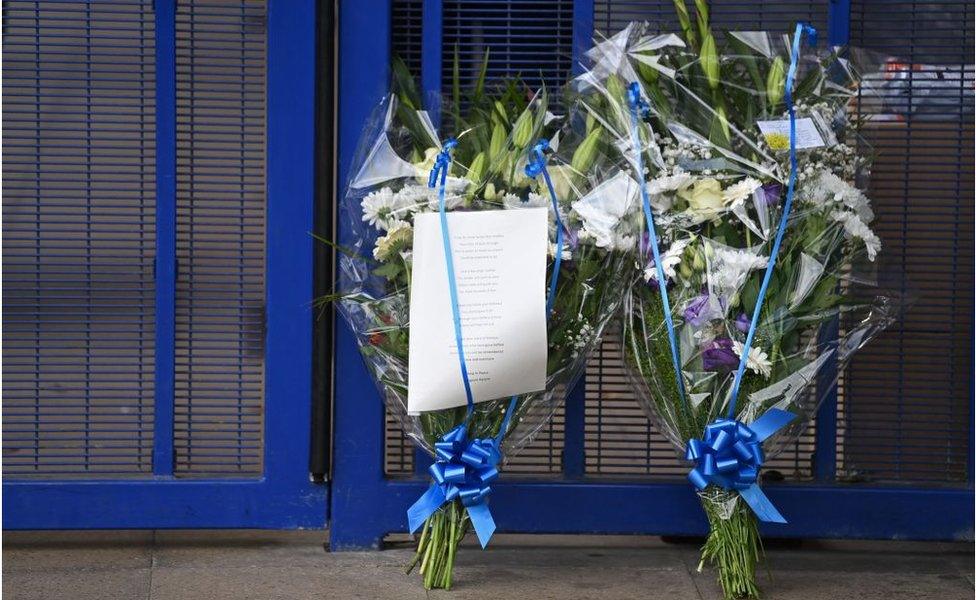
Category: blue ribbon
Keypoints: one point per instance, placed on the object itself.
(801, 28)
(637, 105)
(533, 169)
(438, 178)
(730, 456)
(464, 469)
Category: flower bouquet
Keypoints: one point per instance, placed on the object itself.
(503, 153)
(759, 279)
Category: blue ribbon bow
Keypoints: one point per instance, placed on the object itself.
(731, 455)
(439, 170)
(464, 469)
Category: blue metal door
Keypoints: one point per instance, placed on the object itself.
(158, 191)
(894, 441)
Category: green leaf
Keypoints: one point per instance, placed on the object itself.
(390, 270)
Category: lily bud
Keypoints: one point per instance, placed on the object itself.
(686, 271)
(615, 89)
(685, 21)
(709, 61)
(497, 143)
(490, 191)
(477, 168)
(522, 131)
(646, 72)
(775, 81)
(585, 153)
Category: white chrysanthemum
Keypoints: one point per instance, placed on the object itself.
(567, 253)
(827, 189)
(668, 183)
(416, 198)
(758, 360)
(382, 207)
(856, 228)
(728, 268)
(397, 239)
(669, 261)
(533, 201)
(739, 191)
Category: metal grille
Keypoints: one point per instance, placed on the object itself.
(610, 16)
(220, 207)
(620, 441)
(407, 32)
(78, 237)
(532, 38)
(907, 413)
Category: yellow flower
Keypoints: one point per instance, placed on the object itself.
(778, 141)
(396, 240)
(704, 199)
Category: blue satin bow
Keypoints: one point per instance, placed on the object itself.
(464, 469)
(731, 455)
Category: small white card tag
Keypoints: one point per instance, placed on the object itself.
(777, 134)
(500, 269)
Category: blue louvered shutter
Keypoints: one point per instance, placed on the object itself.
(908, 396)
(79, 238)
(220, 236)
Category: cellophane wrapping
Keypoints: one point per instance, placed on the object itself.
(717, 184)
(389, 186)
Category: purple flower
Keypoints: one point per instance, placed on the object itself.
(571, 238)
(772, 193)
(717, 355)
(742, 322)
(696, 312)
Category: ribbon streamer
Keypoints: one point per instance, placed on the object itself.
(533, 169)
(438, 178)
(465, 470)
(637, 105)
(730, 456)
(801, 28)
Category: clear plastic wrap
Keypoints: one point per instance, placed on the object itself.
(488, 172)
(717, 183)
(713, 128)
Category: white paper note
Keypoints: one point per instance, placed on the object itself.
(500, 269)
(777, 134)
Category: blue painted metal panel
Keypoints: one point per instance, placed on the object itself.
(673, 509)
(291, 176)
(582, 32)
(162, 504)
(165, 235)
(825, 438)
(357, 463)
(574, 432)
(839, 22)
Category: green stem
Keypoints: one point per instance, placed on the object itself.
(733, 545)
(437, 549)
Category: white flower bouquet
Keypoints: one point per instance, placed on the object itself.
(759, 278)
(506, 154)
